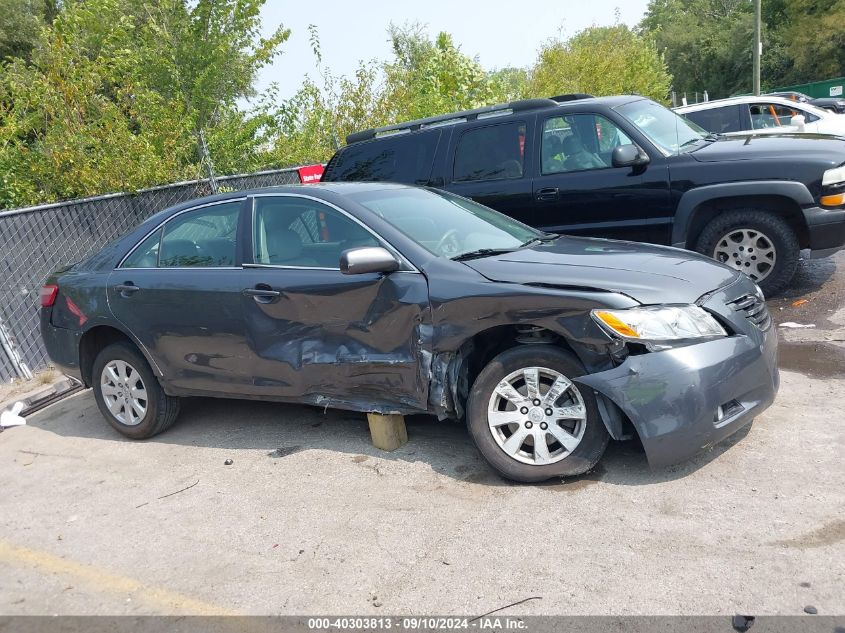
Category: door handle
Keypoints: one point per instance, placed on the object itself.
(262, 293)
(548, 193)
(127, 289)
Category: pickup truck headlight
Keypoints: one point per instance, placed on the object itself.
(658, 327)
(834, 176)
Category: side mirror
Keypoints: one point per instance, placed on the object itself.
(629, 156)
(799, 121)
(372, 259)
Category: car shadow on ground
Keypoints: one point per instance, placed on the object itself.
(281, 430)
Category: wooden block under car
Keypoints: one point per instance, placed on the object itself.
(388, 431)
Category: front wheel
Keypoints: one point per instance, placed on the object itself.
(530, 421)
(757, 243)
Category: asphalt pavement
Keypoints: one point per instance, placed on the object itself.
(309, 518)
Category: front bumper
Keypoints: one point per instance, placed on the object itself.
(826, 228)
(684, 400)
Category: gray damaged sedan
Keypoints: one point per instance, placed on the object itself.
(394, 299)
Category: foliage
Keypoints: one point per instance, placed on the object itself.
(433, 77)
(601, 61)
(116, 93)
(423, 78)
(20, 22)
(813, 35)
(708, 43)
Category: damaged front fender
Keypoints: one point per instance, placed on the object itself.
(683, 400)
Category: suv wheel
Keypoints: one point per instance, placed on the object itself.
(128, 394)
(758, 243)
(530, 421)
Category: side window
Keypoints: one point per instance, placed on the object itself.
(577, 142)
(146, 255)
(407, 158)
(203, 238)
(718, 120)
(294, 231)
(496, 152)
(809, 117)
(769, 115)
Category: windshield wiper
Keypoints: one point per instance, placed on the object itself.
(546, 237)
(481, 252)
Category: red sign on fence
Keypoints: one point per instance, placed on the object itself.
(310, 174)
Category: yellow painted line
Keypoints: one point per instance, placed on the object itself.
(102, 580)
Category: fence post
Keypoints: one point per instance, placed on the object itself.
(8, 346)
(206, 160)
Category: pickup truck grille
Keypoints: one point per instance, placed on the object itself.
(754, 309)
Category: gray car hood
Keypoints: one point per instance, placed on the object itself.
(649, 274)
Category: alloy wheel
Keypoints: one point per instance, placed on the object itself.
(747, 250)
(124, 392)
(537, 416)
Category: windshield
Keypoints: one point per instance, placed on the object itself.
(447, 225)
(673, 134)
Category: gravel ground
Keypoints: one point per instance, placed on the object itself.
(311, 519)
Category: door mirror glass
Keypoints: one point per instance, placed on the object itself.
(629, 156)
(374, 259)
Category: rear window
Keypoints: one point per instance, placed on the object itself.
(406, 158)
(718, 120)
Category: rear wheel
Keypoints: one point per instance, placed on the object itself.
(758, 243)
(529, 419)
(128, 394)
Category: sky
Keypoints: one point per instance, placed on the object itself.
(500, 33)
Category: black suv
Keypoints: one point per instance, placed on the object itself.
(624, 167)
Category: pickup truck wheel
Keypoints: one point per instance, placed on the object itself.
(758, 243)
(128, 394)
(530, 421)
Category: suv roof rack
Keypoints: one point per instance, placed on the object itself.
(500, 109)
(571, 97)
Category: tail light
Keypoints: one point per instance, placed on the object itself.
(48, 295)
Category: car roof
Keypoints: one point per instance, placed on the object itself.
(322, 190)
(718, 103)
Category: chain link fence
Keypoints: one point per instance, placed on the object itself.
(37, 240)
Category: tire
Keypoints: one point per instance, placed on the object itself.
(719, 240)
(157, 411)
(525, 464)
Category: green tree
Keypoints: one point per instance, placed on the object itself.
(601, 61)
(20, 23)
(117, 92)
(510, 84)
(424, 77)
(707, 44)
(428, 77)
(814, 37)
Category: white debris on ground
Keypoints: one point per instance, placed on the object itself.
(12, 417)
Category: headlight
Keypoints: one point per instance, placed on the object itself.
(653, 325)
(834, 176)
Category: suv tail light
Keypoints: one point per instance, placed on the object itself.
(48, 295)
